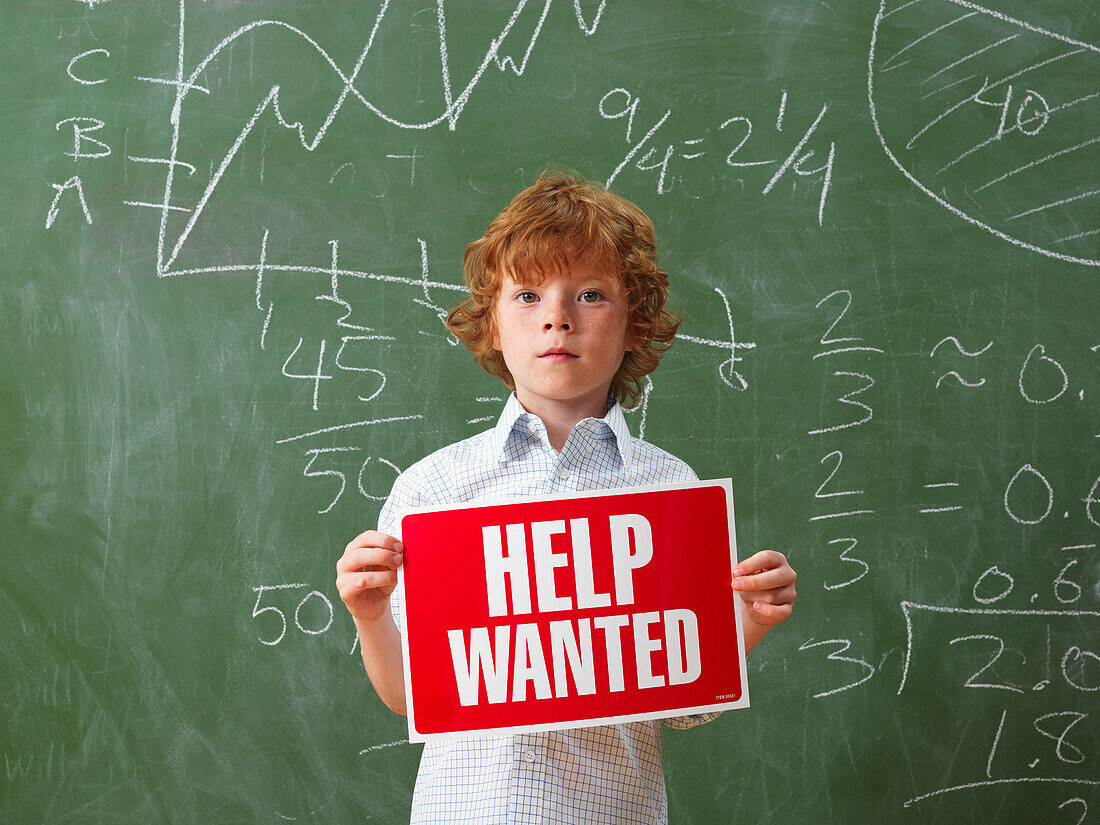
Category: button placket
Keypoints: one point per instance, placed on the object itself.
(526, 748)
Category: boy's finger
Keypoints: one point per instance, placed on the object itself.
(372, 538)
(375, 578)
(348, 588)
(360, 557)
(352, 583)
(775, 612)
(763, 560)
(768, 580)
(778, 595)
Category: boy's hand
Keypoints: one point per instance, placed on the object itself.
(766, 584)
(367, 574)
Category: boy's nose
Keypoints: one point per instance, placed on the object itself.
(557, 318)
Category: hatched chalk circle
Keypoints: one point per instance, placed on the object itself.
(991, 117)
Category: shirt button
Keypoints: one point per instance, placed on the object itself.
(563, 472)
(529, 756)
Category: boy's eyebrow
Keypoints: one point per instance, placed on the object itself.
(589, 274)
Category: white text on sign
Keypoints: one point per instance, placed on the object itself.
(515, 657)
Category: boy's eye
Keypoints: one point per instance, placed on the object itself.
(527, 297)
(590, 296)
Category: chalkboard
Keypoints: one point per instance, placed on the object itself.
(232, 231)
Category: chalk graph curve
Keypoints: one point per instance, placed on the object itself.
(453, 106)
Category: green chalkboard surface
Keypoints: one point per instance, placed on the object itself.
(231, 231)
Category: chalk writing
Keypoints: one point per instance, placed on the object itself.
(315, 595)
(868, 670)
(453, 105)
(85, 145)
(863, 381)
(989, 115)
(1015, 109)
(726, 373)
(623, 104)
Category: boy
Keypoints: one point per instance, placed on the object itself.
(567, 308)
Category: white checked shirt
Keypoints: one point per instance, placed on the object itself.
(609, 775)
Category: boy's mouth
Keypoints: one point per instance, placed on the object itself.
(557, 354)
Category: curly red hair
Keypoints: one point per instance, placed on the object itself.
(546, 227)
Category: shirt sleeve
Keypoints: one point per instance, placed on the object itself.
(408, 492)
(685, 722)
(672, 470)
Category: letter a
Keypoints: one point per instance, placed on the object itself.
(55, 207)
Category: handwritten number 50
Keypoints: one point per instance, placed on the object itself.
(257, 611)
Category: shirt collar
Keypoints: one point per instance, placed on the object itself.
(509, 416)
(514, 414)
(617, 422)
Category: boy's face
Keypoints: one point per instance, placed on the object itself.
(564, 339)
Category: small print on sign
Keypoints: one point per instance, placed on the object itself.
(589, 609)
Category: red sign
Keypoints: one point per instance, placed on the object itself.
(588, 609)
